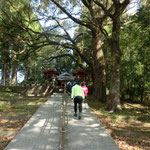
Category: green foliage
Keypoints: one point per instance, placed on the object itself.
(143, 16)
(22, 109)
(34, 52)
(10, 90)
(19, 27)
(135, 70)
(3, 107)
(95, 104)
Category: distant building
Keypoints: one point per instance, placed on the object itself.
(80, 75)
(50, 75)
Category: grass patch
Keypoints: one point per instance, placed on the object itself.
(19, 108)
(7, 93)
(22, 106)
(4, 107)
(142, 113)
(22, 109)
(95, 104)
(15, 110)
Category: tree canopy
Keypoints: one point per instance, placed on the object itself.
(100, 37)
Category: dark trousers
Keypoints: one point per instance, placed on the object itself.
(85, 100)
(78, 100)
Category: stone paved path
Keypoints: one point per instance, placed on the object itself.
(43, 130)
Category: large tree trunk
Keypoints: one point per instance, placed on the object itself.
(6, 74)
(14, 74)
(98, 69)
(113, 101)
(14, 70)
(3, 75)
(6, 65)
(26, 74)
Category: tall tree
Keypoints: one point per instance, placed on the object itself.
(99, 12)
(18, 26)
(94, 18)
(135, 61)
(113, 101)
(94, 24)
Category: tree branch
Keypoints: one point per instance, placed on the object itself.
(86, 24)
(66, 55)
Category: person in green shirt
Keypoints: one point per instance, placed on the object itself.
(77, 95)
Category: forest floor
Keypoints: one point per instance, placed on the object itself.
(130, 128)
(15, 111)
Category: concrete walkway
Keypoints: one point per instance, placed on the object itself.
(43, 130)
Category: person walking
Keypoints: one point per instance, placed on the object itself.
(77, 95)
(85, 90)
(69, 86)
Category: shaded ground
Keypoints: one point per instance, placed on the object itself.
(129, 128)
(14, 113)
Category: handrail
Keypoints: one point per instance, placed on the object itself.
(64, 118)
